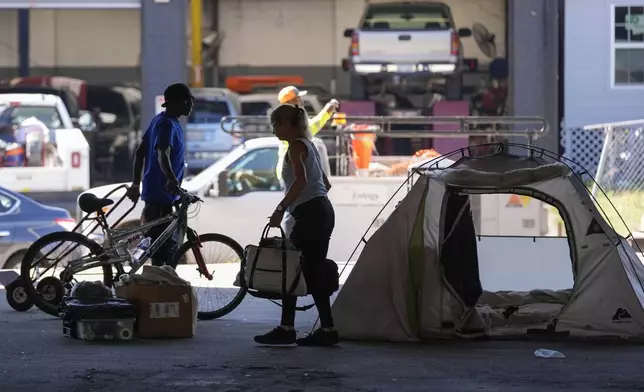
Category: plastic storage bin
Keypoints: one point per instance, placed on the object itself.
(100, 329)
(108, 319)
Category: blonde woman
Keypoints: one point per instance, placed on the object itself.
(307, 202)
(292, 96)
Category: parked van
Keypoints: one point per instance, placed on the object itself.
(206, 142)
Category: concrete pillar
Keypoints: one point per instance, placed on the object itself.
(164, 47)
(533, 46)
(211, 76)
(23, 42)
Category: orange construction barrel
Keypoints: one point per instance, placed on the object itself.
(362, 144)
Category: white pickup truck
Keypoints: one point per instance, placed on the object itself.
(412, 40)
(243, 191)
(71, 169)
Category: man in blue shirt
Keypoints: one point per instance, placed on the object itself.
(161, 159)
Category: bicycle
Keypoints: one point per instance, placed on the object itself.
(112, 255)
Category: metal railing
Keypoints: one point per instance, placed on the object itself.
(260, 126)
(394, 127)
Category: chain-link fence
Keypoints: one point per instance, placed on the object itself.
(620, 171)
(614, 154)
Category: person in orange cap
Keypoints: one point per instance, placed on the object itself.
(292, 95)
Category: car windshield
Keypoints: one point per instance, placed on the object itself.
(407, 17)
(14, 115)
(207, 111)
(262, 159)
(6, 203)
(257, 108)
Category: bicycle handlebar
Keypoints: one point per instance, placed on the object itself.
(187, 197)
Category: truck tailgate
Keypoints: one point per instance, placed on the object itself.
(405, 46)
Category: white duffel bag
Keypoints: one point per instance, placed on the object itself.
(272, 269)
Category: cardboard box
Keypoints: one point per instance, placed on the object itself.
(163, 310)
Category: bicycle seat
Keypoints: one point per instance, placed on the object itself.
(88, 202)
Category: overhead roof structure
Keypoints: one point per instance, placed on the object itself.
(163, 39)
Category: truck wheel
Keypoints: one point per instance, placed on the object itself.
(454, 88)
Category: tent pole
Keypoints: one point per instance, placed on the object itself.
(602, 159)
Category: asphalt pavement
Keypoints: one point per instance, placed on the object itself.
(35, 356)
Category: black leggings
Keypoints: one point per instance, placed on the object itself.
(314, 223)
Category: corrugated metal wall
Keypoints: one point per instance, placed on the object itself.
(74, 38)
(261, 36)
(309, 33)
(277, 32)
(8, 38)
(85, 38)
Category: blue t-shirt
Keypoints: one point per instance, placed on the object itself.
(163, 132)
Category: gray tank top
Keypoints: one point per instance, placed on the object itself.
(314, 175)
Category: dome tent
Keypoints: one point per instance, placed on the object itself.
(418, 275)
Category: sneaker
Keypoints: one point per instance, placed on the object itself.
(278, 336)
(319, 338)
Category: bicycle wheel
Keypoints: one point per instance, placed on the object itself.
(223, 269)
(38, 269)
